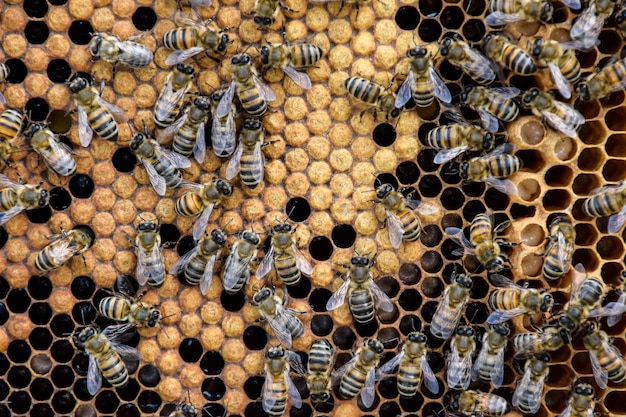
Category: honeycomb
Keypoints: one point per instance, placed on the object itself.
(323, 162)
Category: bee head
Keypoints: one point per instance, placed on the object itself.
(94, 44)
(496, 265)
(81, 337)
(282, 227)
(454, 401)
(587, 329)
(465, 94)
(35, 128)
(224, 187)
(620, 16)
(383, 190)
(416, 337)
(463, 171)
(546, 13)
(155, 318)
(375, 345)
(395, 112)
(188, 410)
(501, 328)
(275, 352)
(445, 46)
(542, 356)
(252, 124)
(137, 139)
(263, 21)
(201, 103)
(465, 331)
(147, 226)
(78, 84)
(217, 95)
(464, 281)
(417, 51)
(43, 198)
(584, 389)
(185, 69)
(548, 303)
(240, 59)
(251, 237)
(486, 39)
(622, 277)
(535, 51)
(218, 236)
(360, 260)
(583, 92)
(529, 96)
(565, 336)
(265, 51)
(224, 40)
(320, 398)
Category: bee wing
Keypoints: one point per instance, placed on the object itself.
(207, 276)
(61, 251)
(336, 376)
(300, 78)
(280, 331)
(168, 133)
(600, 375)
(94, 378)
(461, 376)
(559, 122)
(477, 64)
(368, 393)
(617, 310)
(568, 411)
(338, 297)
(441, 90)
(5, 216)
(295, 362)
(500, 316)
(563, 253)
(533, 400)
(265, 90)
(497, 374)
(179, 56)
(294, 396)
(234, 165)
(502, 281)
(395, 227)
(200, 225)
(587, 27)
(225, 105)
(562, 84)
(141, 273)
(157, 181)
(223, 135)
(3, 101)
(616, 221)
(446, 155)
(498, 18)
(572, 4)
(578, 276)
(430, 380)
(382, 300)
(500, 150)
(480, 359)
(182, 262)
(125, 287)
(8, 182)
(127, 353)
(199, 149)
(85, 134)
(266, 263)
(423, 207)
(388, 367)
(505, 92)
(268, 401)
(177, 159)
(259, 161)
(237, 268)
(489, 121)
(118, 114)
(302, 263)
(406, 90)
(457, 236)
(504, 186)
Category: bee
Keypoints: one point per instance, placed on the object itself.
(358, 375)
(189, 131)
(237, 266)
(492, 104)
(285, 256)
(509, 11)
(586, 294)
(402, 221)
(599, 84)
(491, 168)
(377, 97)
(412, 362)
(5, 71)
(607, 362)
(320, 366)
(581, 402)
(56, 155)
(111, 49)
(472, 62)
(161, 164)
(94, 113)
(529, 391)
(476, 403)
(459, 137)
(184, 410)
(459, 360)
(125, 307)
(106, 356)
(561, 61)
(513, 300)
(559, 116)
(282, 321)
(289, 58)
(266, 11)
(11, 125)
(253, 93)
(559, 249)
(171, 97)
(506, 53)
(278, 384)
(483, 243)
(608, 200)
(15, 197)
(362, 292)
(150, 265)
(193, 38)
(248, 160)
(223, 132)
(197, 265)
(550, 338)
(201, 201)
(422, 82)
(63, 247)
(448, 312)
(489, 365)
(586, 29)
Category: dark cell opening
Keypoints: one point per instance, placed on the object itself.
(19, 402)
(474, 7)
(255, 337)
(301, 289)
(429, 8)
(556, 200)
(254, 409)
(60, 199)
(407, 18)
(40, 215)
(385, 179)
(425, 160)
(41, 410)
(80, 390)
(344, 338)
(233, 302)
(60, 122)
(449, 72)
(431, 262)
(41, 389)
(450, 172)
(422, 131)
(518, 211)
(4, 287)
(343, 235)
(321, 248)
(149, 401)
(412, 404)
(212, 362)
(474, 30)
(452, 199)
(409, 323)
(496, 200)
(452, 17)
(473, 189)
(560, 15)
(213, 389)
(407, 172)
(559, 176)
(80, 32)
(185, 244)
(39, 287)
(37, 109)
(63, 402)
(523, 82)
(83, 287)
(4, 236)
(318, 299)
(84, 313)
(252, 387)
(430, 186)
(321, 325)
(36, 32)
(62, 351)
(18, 300)
(40, 313)
(81, 186)
(36, 8)
(130, 391)
(4, 363)
(480, 287)
(190, 350)
(123, 160)
(127, 410)
(409, 274)
(62, 376)
(144, 18)
(107, 402)
(304, 411)
(429, 30)
(476, 313)
(149, 376)
(410, 300)
(58, 71)
(298, 209)
(17, 71)
(389, 409)
(62, 325)
(389, 285)
(609, 42)
(169, 234)
(384, 134)
(19, 377)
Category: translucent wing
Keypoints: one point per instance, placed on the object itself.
(166, 135)
(61, 251)
(533, 400)
(94, 378)
(5, 216)
(567, 412)
(563, 253)
(395, 228)
(178, 160)
(498, 18)
(85, 134)
(620, 309)
(280, 331)
(572, 4)
(382, 300)
(502, 281)
(459, 376)
(207, 276)
(336, 376)
(266, 263)
(482, 357)
(124, 286)
(477, 65)
(504, 186)
(235, 267)
(497, 375)
(118, 114)
(600, 375)
(223, 136)
(300, 78)
(489, 121)
(444, 305)
(505, 92)
(234, 165)
(199, 226)
(500, 316)
(388, 367)
(267, 93)
(157, 181)
(446, 155)
(429, 378)
(127, 353)
(368, 392)
(294, 396)
(459, 238)
(3, 101)
(148, 267)
(578, 276)
(179, 56)
(199, 149)
(441, 90)
(258, 162)
(268, 401)
(616, 221)
(8, 182)
(338, 297)
(562, 84)
(226, 102)
(423, 207)
(406, 90)
(570, 114)
(302, 263)
(182, 262)
(587, 27)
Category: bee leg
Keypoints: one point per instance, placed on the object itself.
(131, 241)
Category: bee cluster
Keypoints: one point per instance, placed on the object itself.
(428, 183)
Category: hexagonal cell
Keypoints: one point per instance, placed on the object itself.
(587, 257)
(587, 59)
(529, 189)
(613, 170)
(586, 234)
(590, 110)
(533, 160)
(585, 183)
(559, 176)
(407, 17)
(591, 159)
(565, 148)
(532, 132)
(616, 145)
(610, 247)
(532, 235)
(594, 132)
(555, 200)
(614, 99)
(615, 119)
(532, 265)
(555, 400)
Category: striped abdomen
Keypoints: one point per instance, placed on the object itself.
(115, 308)
(181, 38)
(102, 123)
(361, 305)
(113, 368)
(286, 268)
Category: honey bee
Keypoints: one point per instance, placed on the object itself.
(559, 249)
(63, 247)
(358, 375)
(483, 243)
(422, 82)
(94, 113)
(608, 200)
(586, 294)
(607, 362)
(412, 362)
(492, 104)
(459, 360)
(472, 62)
(550, 338)
(11, 124)
(150, 265)
(248, 160)
(289, 58)
(184, 410)
(161, 164)
(529, 391)
(491, 169)
(599, 84)
(510, 11)
(320, 366)
(125, 306)
(253, 93)
(172, 96)
(278, 384)
(489, 365)
(111, 49)
(16, 197)
(377, 97)
(513, 300)
(559, 116)
(402, 221)
(193, 38)
(285, 256)
(448, 312)
(189, 131)
(106, 356)
(56, 155)
(282, 321)
(581, 402)
(506, 53)
(201, 201)
(197, 265)
(363, 293)
(5, 71)
(561, 61)
(223, 132)
(476, 403)
(586, 29)
(237, 266)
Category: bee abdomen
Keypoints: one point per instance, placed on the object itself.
(114, 308)
(249, 170)
(103, 123)
(602, 204)
(504, 299)
(408, 380)
(278, 391)
(351, 383)
(361, 305)
(10, 123)
(184, 141)
(181, 38)
(113, 369)
(189, 205)
(252, 102)
(287, 269)
(306, 55)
